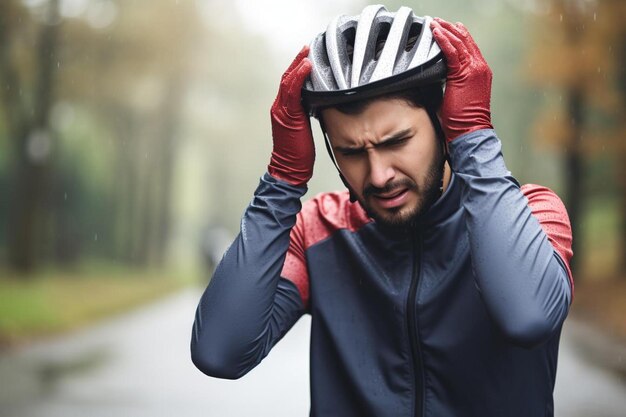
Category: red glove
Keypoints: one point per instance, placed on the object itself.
(294, 151)
(466, 101)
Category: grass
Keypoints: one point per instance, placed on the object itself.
(52, 302)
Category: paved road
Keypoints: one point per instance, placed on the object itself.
(138, 365)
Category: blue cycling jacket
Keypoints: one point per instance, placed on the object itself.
(459, 317)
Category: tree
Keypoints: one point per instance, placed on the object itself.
(27, 102)
(578, 56)
(126, 84)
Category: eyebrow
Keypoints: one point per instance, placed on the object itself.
(396, 136)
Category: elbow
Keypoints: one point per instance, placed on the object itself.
(533, 329)
(212, 362)
(533, 320)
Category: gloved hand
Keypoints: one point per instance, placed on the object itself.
(294, 151)
(466, 102)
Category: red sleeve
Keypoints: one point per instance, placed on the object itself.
(294, 268)
(320, 217)
(549, 210)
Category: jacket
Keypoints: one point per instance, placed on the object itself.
(459, 317)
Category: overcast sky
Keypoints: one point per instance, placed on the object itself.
(289, 24)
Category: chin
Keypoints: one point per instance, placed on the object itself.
(401, 218)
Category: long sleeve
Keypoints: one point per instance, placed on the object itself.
(520, 247)
(247, 307)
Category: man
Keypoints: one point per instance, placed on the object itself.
(436, 285)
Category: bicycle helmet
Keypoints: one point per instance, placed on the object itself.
(375, 53)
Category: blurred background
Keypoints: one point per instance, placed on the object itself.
(133, 134)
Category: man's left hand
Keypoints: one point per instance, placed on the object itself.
(466, 102)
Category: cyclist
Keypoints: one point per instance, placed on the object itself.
(436, 285)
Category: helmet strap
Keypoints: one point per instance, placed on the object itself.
(329, 149)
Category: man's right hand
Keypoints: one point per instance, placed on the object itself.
(294, 152)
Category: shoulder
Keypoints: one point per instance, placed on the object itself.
(550, 211)
(327, 213)
(544, 202)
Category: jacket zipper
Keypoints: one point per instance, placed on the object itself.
(413, 334)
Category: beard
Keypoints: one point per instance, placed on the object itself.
(403, 218)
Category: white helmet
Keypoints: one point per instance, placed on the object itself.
(375, 53)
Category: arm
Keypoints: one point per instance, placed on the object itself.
(247, 307)
(523, 279)
(521, 271)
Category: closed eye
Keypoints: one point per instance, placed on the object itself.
(351, 151)
(391, 143)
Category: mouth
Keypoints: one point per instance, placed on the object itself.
(391, 199)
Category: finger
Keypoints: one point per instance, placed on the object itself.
(304, 52)
(452, 55)
(454, 28)
(462, 30)
(459, 45)
(452, 59)
(295, 83)
(470, 43)
(462, 33)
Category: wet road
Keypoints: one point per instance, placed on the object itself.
(138, 365)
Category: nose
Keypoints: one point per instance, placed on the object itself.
(381, 171)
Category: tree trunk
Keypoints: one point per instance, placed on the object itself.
(621, 162)
(170, 114)
(574, 169)
(32, 143)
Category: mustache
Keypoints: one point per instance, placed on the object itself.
(371, 190)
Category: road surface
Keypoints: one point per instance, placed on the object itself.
(138, 365)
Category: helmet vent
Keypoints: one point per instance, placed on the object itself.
(413, 36)
(381, 38)
(349, 36)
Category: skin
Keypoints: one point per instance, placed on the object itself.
(391, 158)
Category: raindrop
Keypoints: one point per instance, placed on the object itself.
(95, 237)
(560, 17)
(65, 196)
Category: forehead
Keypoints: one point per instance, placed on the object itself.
(377, 119)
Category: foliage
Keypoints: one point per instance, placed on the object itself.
(55, 301)
(107, 132)
(579, 59)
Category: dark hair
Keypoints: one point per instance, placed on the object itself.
(428, 97)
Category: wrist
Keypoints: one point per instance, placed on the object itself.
(281, 169)
(455, 132)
